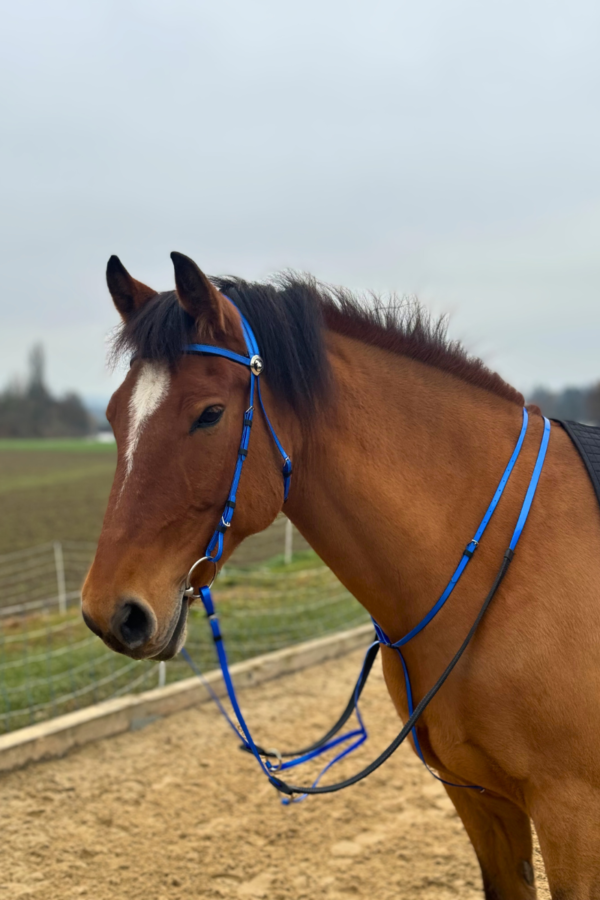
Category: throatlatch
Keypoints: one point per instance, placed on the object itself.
(350, 740)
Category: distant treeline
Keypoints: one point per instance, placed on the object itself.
(578, 404)
(29, 409)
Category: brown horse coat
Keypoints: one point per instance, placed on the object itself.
(393, 470)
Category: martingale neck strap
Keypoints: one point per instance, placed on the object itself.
(254, 361)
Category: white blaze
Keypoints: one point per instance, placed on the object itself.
(150, 390)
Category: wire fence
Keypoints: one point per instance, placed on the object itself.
(51, 664)
(45, 577)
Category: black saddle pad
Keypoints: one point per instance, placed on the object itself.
(587, 440)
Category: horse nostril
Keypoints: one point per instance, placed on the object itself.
(133, 624)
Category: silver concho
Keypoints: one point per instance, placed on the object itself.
(256, 365)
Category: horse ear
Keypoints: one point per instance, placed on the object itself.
(127, 293)
(198, 296)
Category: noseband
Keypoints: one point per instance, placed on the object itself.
(350, 740)
(254, 361)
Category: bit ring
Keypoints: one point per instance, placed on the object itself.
(188, 590)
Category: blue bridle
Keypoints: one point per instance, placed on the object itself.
(254, 362)
(353, 738)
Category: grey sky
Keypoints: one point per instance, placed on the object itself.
(447, 149)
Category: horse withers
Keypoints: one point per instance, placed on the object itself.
(398, 440)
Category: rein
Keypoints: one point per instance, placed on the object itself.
(356, 736)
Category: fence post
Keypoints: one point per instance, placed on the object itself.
(289, 534)
(162, 673)
(60, 576)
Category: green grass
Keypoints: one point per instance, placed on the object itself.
(51, 664)
(63, 445)
(302, 560)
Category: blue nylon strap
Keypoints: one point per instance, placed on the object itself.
(207, 602)
(252, 345)
(287, 463)
(469, 550)
(409, 699)
(357, 735)
(211, 691)
(524, 513)
(537, 471)
(249, 337)
(211, 350)
(214, 550)
(215, 546)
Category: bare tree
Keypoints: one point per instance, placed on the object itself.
(32, 411)
(593, 404)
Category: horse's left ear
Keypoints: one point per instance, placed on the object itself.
(198, 296)
(128, 294)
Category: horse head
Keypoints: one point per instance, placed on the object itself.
(177, 419)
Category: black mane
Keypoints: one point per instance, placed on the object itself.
(285, 315)
(289, 316)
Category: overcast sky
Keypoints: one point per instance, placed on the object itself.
(448, 149)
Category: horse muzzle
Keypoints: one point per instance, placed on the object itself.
(134, 631)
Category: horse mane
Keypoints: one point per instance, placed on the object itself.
(404, 326)
(289, 316)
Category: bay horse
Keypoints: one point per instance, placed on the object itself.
(398, 439)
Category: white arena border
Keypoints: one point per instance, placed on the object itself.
(54, 738)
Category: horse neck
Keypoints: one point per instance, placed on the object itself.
(397, 475)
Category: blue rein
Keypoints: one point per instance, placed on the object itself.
(352, 739)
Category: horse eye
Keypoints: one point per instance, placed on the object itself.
(209, 417)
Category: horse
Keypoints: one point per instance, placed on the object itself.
(398, 438)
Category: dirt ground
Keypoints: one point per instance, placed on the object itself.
(177, 811)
